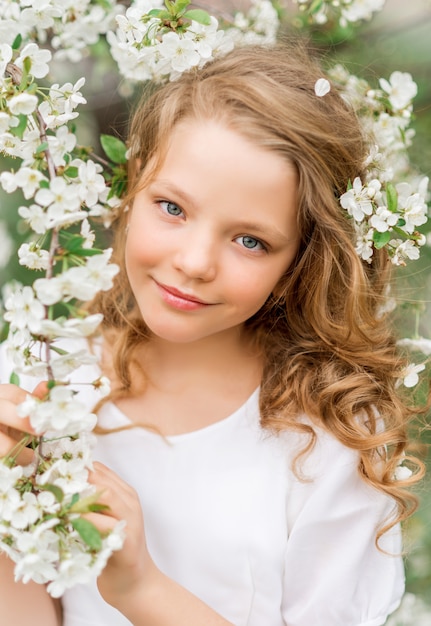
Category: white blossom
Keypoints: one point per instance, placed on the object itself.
(402, 472)
(39, 59)
(410, 377)
(322, 87)
(24, 310)
(401, 89)
(39, 555)
(23, 104)
(73, 327)
(420, 344)
(60, 144)
(61, 197)
(36, 217)
(61, 413)
(383, 219)
(9, 476)
(404, 250)
(91, 182)
(5, 57)
(64, 365)
(358, 201)
(49, 290)
(33, 256)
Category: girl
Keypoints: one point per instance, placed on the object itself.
(254, 410)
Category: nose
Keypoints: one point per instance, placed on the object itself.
(197, 254)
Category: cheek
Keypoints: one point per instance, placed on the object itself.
(252, 291)
(139, 249)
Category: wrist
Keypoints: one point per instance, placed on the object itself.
(134, 594)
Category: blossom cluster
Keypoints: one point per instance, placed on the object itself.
(386, 213)
(69, 26)
(40, 524)
(41, 527)
(152, 43)
(344, 11)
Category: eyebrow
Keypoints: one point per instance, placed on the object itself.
(267, 232)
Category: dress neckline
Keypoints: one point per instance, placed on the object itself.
(122, 420)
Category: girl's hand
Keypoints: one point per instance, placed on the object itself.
(130, 568)
(131, 582)
(13, 428)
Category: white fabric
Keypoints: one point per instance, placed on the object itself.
(226, 517)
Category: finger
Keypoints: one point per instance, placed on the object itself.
(8, 411)
(104, 523)
(103, 475)
(9, 446)
(41, 390)
(119, 496)
(12, 393)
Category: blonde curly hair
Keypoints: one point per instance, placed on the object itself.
(327, 351)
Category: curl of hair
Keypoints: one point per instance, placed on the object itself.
(328, 354)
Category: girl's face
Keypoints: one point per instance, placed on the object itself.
(212, 234)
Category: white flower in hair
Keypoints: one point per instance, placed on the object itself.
(410, 376)
(402, 472)
(322, 87)
(358, 200)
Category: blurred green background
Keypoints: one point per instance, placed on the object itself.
(398, 38)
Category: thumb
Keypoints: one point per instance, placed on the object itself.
(41, 390)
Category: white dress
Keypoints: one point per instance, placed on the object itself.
(226, 518)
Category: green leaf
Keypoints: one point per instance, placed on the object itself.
(171, 7)
(199, 16)
(17, 42)
(74, 243)
(84, 252)
(88, 533)
(18, 131)
(181, 5)
(27, 65)
(97, 508)
(381, 239)
(161, 14)
(105, 4)
(58, 493)
(14, 379)
(114, 148)
(74, 499)
(72, 171)
(42, 147)
(86, 504)
(392, 198)
(315, 6)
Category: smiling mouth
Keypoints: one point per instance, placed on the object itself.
(180, 295)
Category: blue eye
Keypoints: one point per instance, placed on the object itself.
(251, 243)
(170, 208)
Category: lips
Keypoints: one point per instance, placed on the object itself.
(181, 294)
(180, 299)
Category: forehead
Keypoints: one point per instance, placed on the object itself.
(207, 142)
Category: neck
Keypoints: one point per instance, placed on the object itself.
(216, 358)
